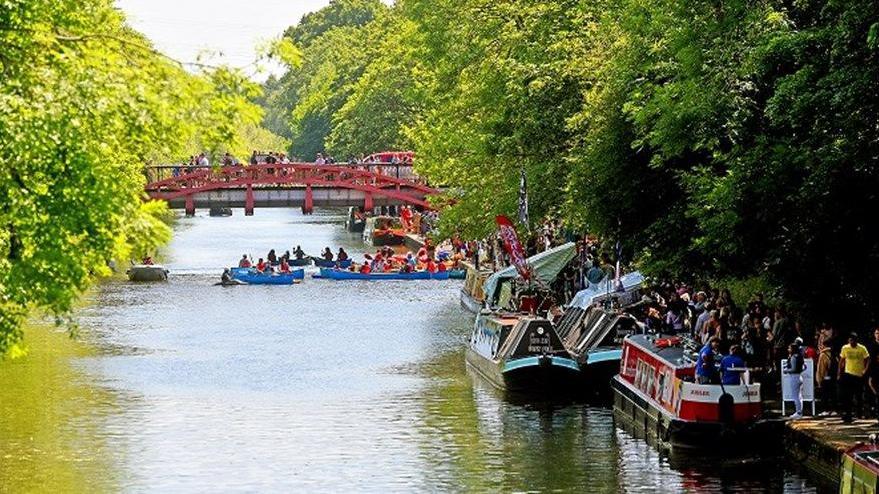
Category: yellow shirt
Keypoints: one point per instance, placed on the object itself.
(854, 359)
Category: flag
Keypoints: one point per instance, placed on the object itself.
(523, 198)
(512, 246)
(617, 283)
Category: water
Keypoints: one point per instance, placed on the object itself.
(324, 386)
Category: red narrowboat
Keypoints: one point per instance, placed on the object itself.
(656, 391)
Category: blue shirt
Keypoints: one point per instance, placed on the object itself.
(728, 376)
(705, 366)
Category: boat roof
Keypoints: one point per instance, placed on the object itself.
(677, 355)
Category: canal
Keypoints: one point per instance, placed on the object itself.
(324, 386)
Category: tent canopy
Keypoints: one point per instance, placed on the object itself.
(630, 281)
(546, 266)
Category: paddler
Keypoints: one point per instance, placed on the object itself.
(244, 262)
(327, 254)
(261, 265)
(342, 255)
(431, 266)
(285, 268)
(299, 253)
(226, 277)
(272, 257)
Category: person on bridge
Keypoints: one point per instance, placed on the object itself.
(327, 254)
(320, 160)
(244, 262)
(342, 255)
(203, 161)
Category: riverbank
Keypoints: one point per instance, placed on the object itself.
(818, 444)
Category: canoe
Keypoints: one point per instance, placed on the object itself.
(253, 277)
(323, 263)
(143, 272)
(335, 274)
(305, 261)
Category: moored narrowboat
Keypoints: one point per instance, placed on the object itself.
(521, 354)
(859, 472)
(656, 391)
(383, 230)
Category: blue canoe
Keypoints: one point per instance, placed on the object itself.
(335, 274)
(253, 277)
(323, 263)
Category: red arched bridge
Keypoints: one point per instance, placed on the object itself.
(295, 184)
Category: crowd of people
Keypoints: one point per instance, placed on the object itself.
(772, 342)
(427, 258)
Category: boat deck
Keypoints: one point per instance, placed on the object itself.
(818, 443)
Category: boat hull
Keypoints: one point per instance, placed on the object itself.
(543, 374)
(457, 274)
(645, 418)
(382, 240)
(335, 274)
(253, 277)
(469, 302)
(147, 273)
(323, 263)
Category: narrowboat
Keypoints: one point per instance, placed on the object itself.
(383, 230)
(219, 211)
(253, 277)
(147, 272)
(594, 325)
(859, 472)
(521, 354)
(338, 274)
(656, 392)
(472, 295)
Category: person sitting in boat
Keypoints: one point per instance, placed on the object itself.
(410, 260)
(327, 254)
(730, 365)
(284, 267)
(431, 266)
(365, 268)
(342, 255)
(706, 365)
(244, 262)
(147, 261)
(261, 265)
(286, 256)
(299, 253)
(407, 268)
(226, 277)
(441, 267)
(272, 257)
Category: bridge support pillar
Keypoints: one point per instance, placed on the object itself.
(308, 206)
(368, 205)
(248, 200)
(189, 206)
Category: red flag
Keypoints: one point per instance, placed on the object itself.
(512, 245)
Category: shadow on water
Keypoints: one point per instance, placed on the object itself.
(53, 420)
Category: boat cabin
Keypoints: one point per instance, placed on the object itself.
(661, 370)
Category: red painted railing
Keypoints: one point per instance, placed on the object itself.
(373, 180)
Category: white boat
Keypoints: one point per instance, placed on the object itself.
(147, 272)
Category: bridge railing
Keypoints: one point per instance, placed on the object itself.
(156, 173)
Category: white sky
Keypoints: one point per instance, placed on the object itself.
(184, 29)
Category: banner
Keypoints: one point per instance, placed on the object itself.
(514, 249)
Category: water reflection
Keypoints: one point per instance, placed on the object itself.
(323, 386)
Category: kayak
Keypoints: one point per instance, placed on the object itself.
(335, 274)
(253, 277)
(323, 263)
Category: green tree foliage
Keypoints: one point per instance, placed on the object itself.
(730, 140)
(84, 103)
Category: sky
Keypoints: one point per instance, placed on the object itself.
(230, 30)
